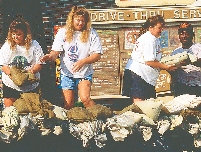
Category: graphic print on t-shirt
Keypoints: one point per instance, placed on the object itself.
(20, 62)
(73, 53)
(158, 52)
(158, 49)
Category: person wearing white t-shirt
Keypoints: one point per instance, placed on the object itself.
(19, 50)
(187, 78)
(78, 46)
(142, 69)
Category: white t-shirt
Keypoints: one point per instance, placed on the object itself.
(76, 50)
(26, 58)
(190, 74)
(146, 48)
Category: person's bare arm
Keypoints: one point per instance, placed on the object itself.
(157, 64)
(53, 55)
(88, 60)
(36, 68)
(6, 69)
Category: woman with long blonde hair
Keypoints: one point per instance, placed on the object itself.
(78, 46)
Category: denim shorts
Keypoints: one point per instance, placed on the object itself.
(71, 83)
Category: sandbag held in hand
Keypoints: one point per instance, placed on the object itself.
(21, 77)
(31, 77)
(178, 58)
(175, 59)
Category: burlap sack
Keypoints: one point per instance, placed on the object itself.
(22, 77)
(31, 103)
(28, 103)
(79, 114)
(100, 111)
(18, 76)
(32, 78)
(21, 106)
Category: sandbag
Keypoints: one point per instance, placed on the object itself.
(100, 111)
(150, 108)
(18, 76)
(79, 114)
(175, 59)
(22, 77)
(31, 103)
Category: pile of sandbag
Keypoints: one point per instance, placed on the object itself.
(31, 103)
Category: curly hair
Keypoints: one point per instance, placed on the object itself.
(19, 24)
(151, 22)
(78, 11)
